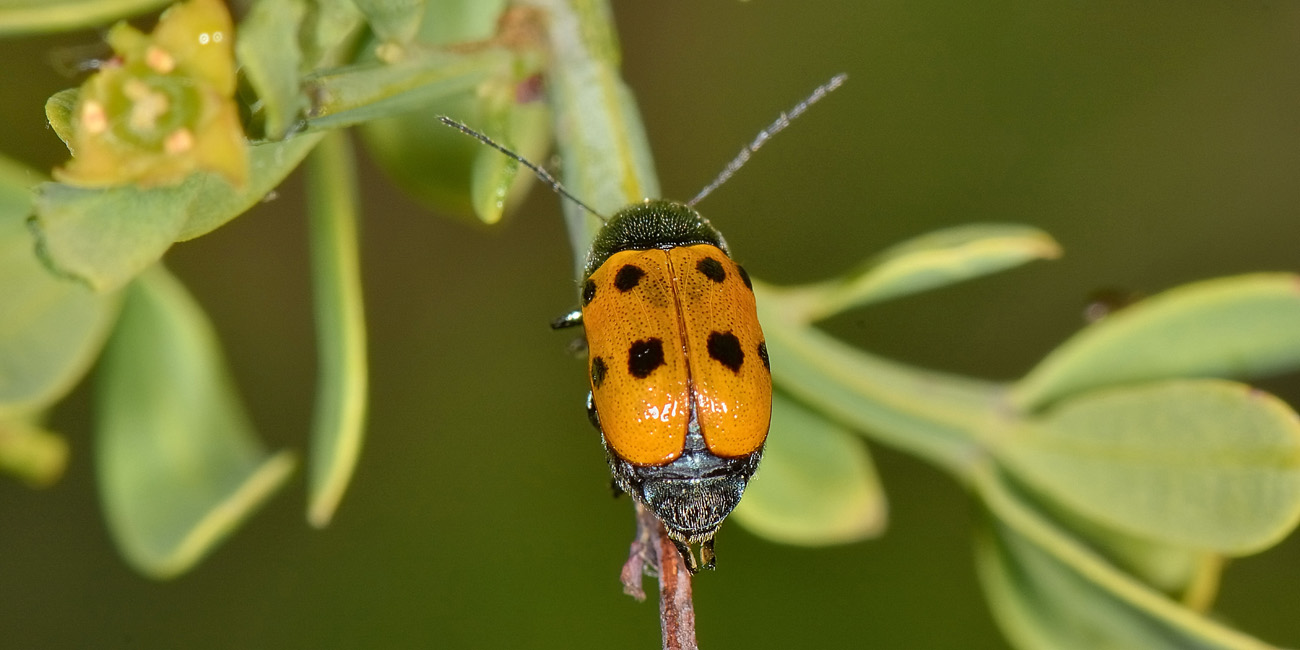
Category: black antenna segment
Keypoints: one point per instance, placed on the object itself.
(542, 174)
(766, 134)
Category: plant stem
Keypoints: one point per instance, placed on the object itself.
(676, 610)
(604, 153)
(607, 163)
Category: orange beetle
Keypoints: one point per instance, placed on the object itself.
(681, 388)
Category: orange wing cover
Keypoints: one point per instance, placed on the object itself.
(670, 331)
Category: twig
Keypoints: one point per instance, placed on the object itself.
(641, 552)
(653, 553)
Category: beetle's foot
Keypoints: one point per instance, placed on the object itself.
(707, 555)
(688, 557)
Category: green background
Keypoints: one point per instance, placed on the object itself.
(1158, 141)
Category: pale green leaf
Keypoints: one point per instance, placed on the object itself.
(1040, 602)
(490, 178)
(330, 26)
(1189, 575)
(1204, 464)
(268, 163)
(51, 329)
(393, 20)
(460, 21)
(495, 184)
(58, 111)
(935, 415)
(1049, 590)
(41, 16)
(179, 466)
(1242, 326)
(104, 237)
(367, 91)
(338, 427)
(816, 484)
(932, 260)
(269, 52)
(427, 160)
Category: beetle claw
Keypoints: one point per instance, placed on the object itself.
(692, 567)
(571, 319)
(707, 555)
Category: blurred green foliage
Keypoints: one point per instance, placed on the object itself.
(1110, 482)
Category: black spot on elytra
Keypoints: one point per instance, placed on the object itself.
(598, 370)
(644, 356)
(725, 348)
(588, 292)
(712, 269)
(762, 354)
(744, 276)
(628, 277)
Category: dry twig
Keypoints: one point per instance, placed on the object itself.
(653, 553)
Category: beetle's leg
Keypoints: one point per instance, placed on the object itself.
(706, 554)
(571, 319)
(591, 411)
(578, 347)
(688, 557)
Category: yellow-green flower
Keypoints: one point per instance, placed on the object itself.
(163, 107)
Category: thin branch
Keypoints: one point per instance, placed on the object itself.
(653, 553)
(639, 555)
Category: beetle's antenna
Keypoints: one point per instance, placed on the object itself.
(766, 134)
(542, 174)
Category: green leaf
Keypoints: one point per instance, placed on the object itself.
(339, 423)
(816, 485)
(269, 163)
(932, 260)
(31, 453)
(395, 21)
(425, 159)
(367, 91)
(525, 128)
(330, 26)
(269, 52)
(179, 466)
(59, 111)
(460, 21)
(42, 16)
(1189, 575)
(1048, 590)
(105, 237)
(1204, 464)
(1243, 326)
(1040, 602)
(491, 176)
(931, 414)
(51, 329)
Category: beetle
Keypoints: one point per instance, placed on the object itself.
(681, 385)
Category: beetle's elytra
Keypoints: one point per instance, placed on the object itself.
(681, 388)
